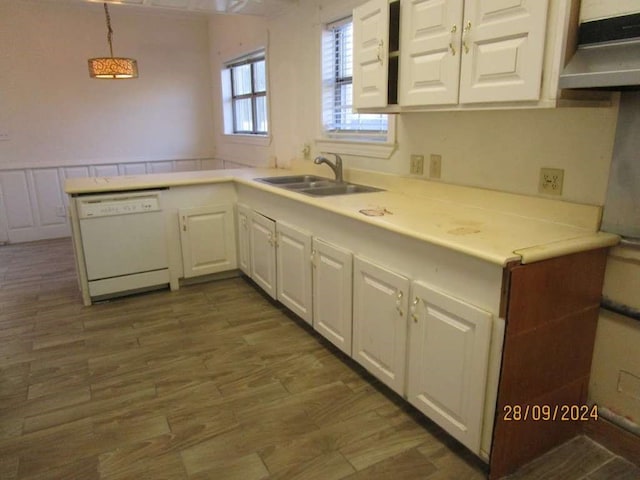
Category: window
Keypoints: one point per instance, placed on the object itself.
(244, 84)
(339, 121)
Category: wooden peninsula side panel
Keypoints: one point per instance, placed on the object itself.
(551, 317)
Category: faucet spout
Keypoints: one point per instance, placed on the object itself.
(336, 167)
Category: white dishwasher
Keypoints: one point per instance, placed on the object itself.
(124, 242)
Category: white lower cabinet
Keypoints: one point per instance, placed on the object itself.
(244, 238)
(293, 270)
(379, 322)
(333, 293)
(263, 252)
(207, 237)
(448, 360)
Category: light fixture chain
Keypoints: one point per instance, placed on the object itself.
(109, 29)
(112, 67)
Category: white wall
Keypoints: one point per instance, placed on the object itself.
(493, 149)
(55, 114)
(615, 373)
(501, 150)
(231, 37)
(62, 123)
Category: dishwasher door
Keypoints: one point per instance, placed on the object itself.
(124, 241)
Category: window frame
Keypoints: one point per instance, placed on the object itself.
(370, 143)
(229, 100)
(253, 95)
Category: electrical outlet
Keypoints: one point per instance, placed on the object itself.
(435, 166)
(417, 164)
(551, 180)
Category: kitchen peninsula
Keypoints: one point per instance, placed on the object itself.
(461, 300)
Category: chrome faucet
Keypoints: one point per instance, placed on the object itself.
(336, 167)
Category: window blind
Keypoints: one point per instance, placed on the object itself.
(338, 117)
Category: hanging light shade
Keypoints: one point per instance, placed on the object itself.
(112, 67)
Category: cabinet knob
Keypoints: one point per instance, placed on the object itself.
(381, 51)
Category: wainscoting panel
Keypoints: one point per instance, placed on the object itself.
(104, 171)
(133, 169)
(17, 205)
(48, 204)
(75, 172)
(186, 165)
(33, 205)
(161, 167)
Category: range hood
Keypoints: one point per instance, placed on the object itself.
(608, 55)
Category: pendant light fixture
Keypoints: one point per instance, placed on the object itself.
(112, 67)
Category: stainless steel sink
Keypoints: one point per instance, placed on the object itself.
(305, 185)
(292, 179)
(338, 189)
(316, 186)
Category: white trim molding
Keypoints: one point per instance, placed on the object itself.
(33, 205)
(360, 149)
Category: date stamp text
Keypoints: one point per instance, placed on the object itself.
(550, 413)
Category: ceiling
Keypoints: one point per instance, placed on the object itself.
(245, 7)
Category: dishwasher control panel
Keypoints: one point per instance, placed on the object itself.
(118, 205)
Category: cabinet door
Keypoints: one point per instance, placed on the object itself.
(263, 252)
(244, 238)
(370, 54)
(294, 270)
(448, 360)
(332, 293)
(379, 322)
(207, 237)
(430, 55)
(502, 60)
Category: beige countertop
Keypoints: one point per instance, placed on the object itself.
(495, 226)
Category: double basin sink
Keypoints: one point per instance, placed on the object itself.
(316, 186)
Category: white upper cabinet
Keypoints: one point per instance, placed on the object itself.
(430, 58)
(462, 54)
(502, 50)
(370, 54)
(456, 51)
(449, 342)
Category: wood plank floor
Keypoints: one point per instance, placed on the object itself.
(211, 382)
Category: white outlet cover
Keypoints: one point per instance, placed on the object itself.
(551, 181)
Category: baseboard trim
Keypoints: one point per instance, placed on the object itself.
(615, 438)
